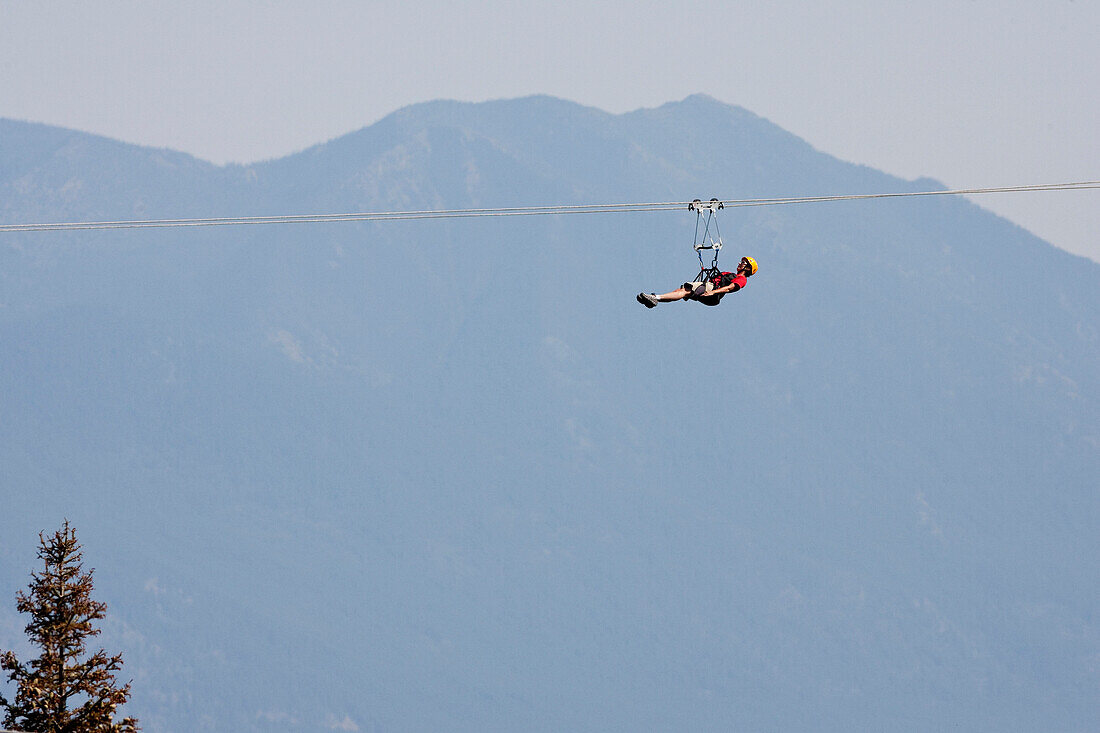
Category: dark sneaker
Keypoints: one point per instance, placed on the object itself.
(649, 300)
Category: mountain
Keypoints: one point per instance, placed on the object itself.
(449, 475)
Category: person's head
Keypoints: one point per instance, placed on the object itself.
(747, 267)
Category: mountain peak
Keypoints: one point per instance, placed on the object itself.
(702, 99)
(452, 429)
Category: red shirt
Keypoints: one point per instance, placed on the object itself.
(729, 277)
(726, 278)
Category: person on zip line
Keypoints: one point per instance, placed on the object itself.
(709, 288)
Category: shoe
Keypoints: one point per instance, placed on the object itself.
(649, 300)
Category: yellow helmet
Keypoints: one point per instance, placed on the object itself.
(750, 263)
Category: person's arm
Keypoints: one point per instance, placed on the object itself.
(731, 288)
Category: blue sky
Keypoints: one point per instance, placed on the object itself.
(975, 93)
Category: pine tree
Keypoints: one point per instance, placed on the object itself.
(64, 690)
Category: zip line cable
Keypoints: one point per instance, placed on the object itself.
(513, 211)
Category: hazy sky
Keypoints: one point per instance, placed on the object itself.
(973, 93)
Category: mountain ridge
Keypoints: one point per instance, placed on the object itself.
(450, 475)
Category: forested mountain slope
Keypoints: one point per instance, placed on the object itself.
(451, 476)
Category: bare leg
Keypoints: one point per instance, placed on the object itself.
(677, 294)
